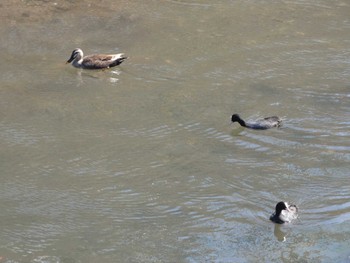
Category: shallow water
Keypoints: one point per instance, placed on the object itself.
(141, 164)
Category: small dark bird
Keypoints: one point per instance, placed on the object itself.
(261, 124)
(284, 213)
(97, 61)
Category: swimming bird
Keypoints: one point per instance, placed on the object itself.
(284, 213)
(96, 61)
(261, 124)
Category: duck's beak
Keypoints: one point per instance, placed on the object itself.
(70, 59)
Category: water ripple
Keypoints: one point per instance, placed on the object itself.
(15, 134)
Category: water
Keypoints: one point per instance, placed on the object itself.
(141, 164)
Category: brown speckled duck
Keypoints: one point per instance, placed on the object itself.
(96, 61)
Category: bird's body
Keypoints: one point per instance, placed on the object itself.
(261, 124)
(284, 213)
(96, 61)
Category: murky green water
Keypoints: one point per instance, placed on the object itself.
(141, 164)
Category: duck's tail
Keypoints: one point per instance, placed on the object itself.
(118, 60)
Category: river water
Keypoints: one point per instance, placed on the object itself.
(140, 163)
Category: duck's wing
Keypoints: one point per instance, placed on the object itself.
(293, 208)
(273, 121)
(289, 216)
(273, 118)
(286, 216)
(103, 61)
(263, 124)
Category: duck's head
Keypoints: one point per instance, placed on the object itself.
(280, 207)
(76, 53)
(235, 117)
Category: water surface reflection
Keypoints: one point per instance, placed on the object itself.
(141, 163)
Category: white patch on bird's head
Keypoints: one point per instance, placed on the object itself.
(77, 52)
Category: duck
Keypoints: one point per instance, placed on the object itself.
(284, 213)
(96, 61)
(261, 124)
